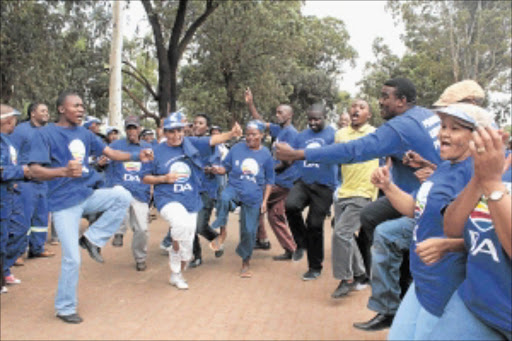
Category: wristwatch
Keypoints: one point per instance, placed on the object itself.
(495, 196)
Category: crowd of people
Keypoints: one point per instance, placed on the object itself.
(422, 205)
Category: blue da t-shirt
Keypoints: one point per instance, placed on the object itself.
(416, 130)
(435, 284)
(176, 160)
(10, 172)
(55, 146)
(319, 172)
(249, 171)
(487, 289)
(129, 173)
(287, 134)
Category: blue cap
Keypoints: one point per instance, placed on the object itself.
(256, 124)
(470, 114)
(90, 120)
(175, 120)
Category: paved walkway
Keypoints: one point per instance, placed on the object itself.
(119, 303)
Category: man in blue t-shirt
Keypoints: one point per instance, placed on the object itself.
(34, 193)
(286, 175)
(408, 127)
(129, 175)
(59, 153)
(314, 188)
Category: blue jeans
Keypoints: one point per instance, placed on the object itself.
(412, 321)
(113, 202)
(249, 220)
(459, 323)
(15, 227)
(390, 239)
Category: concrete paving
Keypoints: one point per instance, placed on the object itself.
(119, 303)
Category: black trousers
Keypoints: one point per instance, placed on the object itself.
(309, 234)
(372, 215)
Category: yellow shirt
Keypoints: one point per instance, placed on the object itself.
(356, 176)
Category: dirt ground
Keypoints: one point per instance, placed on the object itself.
(119, 303)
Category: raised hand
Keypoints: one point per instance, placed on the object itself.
(381, 178)
(236, 130)
(248, 96)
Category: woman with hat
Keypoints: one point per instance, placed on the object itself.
(175, 174)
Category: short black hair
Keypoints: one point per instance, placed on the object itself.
(404, 88)
(62, 97)
(318, 107)
(33, 106)
(206, 117)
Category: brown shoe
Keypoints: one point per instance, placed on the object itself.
(19, 262)
(44, 254)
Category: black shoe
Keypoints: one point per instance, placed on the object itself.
(117, 241)
(287, 255)
(93, 250)
(194, 263)
(343, 289)
(141, 266)
(311, 275)
(379, 322)
(219, 253)
(262, 245)
(71, 318)
(298, 254)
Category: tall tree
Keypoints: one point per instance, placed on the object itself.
(447, 41)
(183, 29)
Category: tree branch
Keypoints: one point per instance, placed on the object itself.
(211, 6)
(137, 101)
(140, 78)
(179, 22)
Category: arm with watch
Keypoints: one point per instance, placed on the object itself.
(489, 166)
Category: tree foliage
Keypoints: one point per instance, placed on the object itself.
(270, 47)
(49, 46)
(447, 41)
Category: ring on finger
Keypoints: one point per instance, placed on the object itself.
(480, 150)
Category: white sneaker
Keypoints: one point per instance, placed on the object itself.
(178, 281)
(3, 290)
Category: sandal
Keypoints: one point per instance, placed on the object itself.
(245, 273)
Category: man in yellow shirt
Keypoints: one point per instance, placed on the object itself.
(355, 193)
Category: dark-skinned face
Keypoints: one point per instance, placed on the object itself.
(200, 126)
(72, 110)
(359, 113)
(40, 115)
(390, 105)
(253, 137)
(283, 114)
(132, 134)
(316, 121)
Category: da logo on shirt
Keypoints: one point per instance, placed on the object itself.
(182, 170)
(132, 166)
(250, 167)
(77, 149)
(481, 217)
(313, 145)
(14, 155)
(421, 198)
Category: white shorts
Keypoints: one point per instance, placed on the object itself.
(183, 223)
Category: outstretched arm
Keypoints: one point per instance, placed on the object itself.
(145, 155)
(236, 131)
(252, 108)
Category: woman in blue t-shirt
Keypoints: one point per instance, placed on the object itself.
(481, 308)
(176, 176)
(250, 170)
(437, 263)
